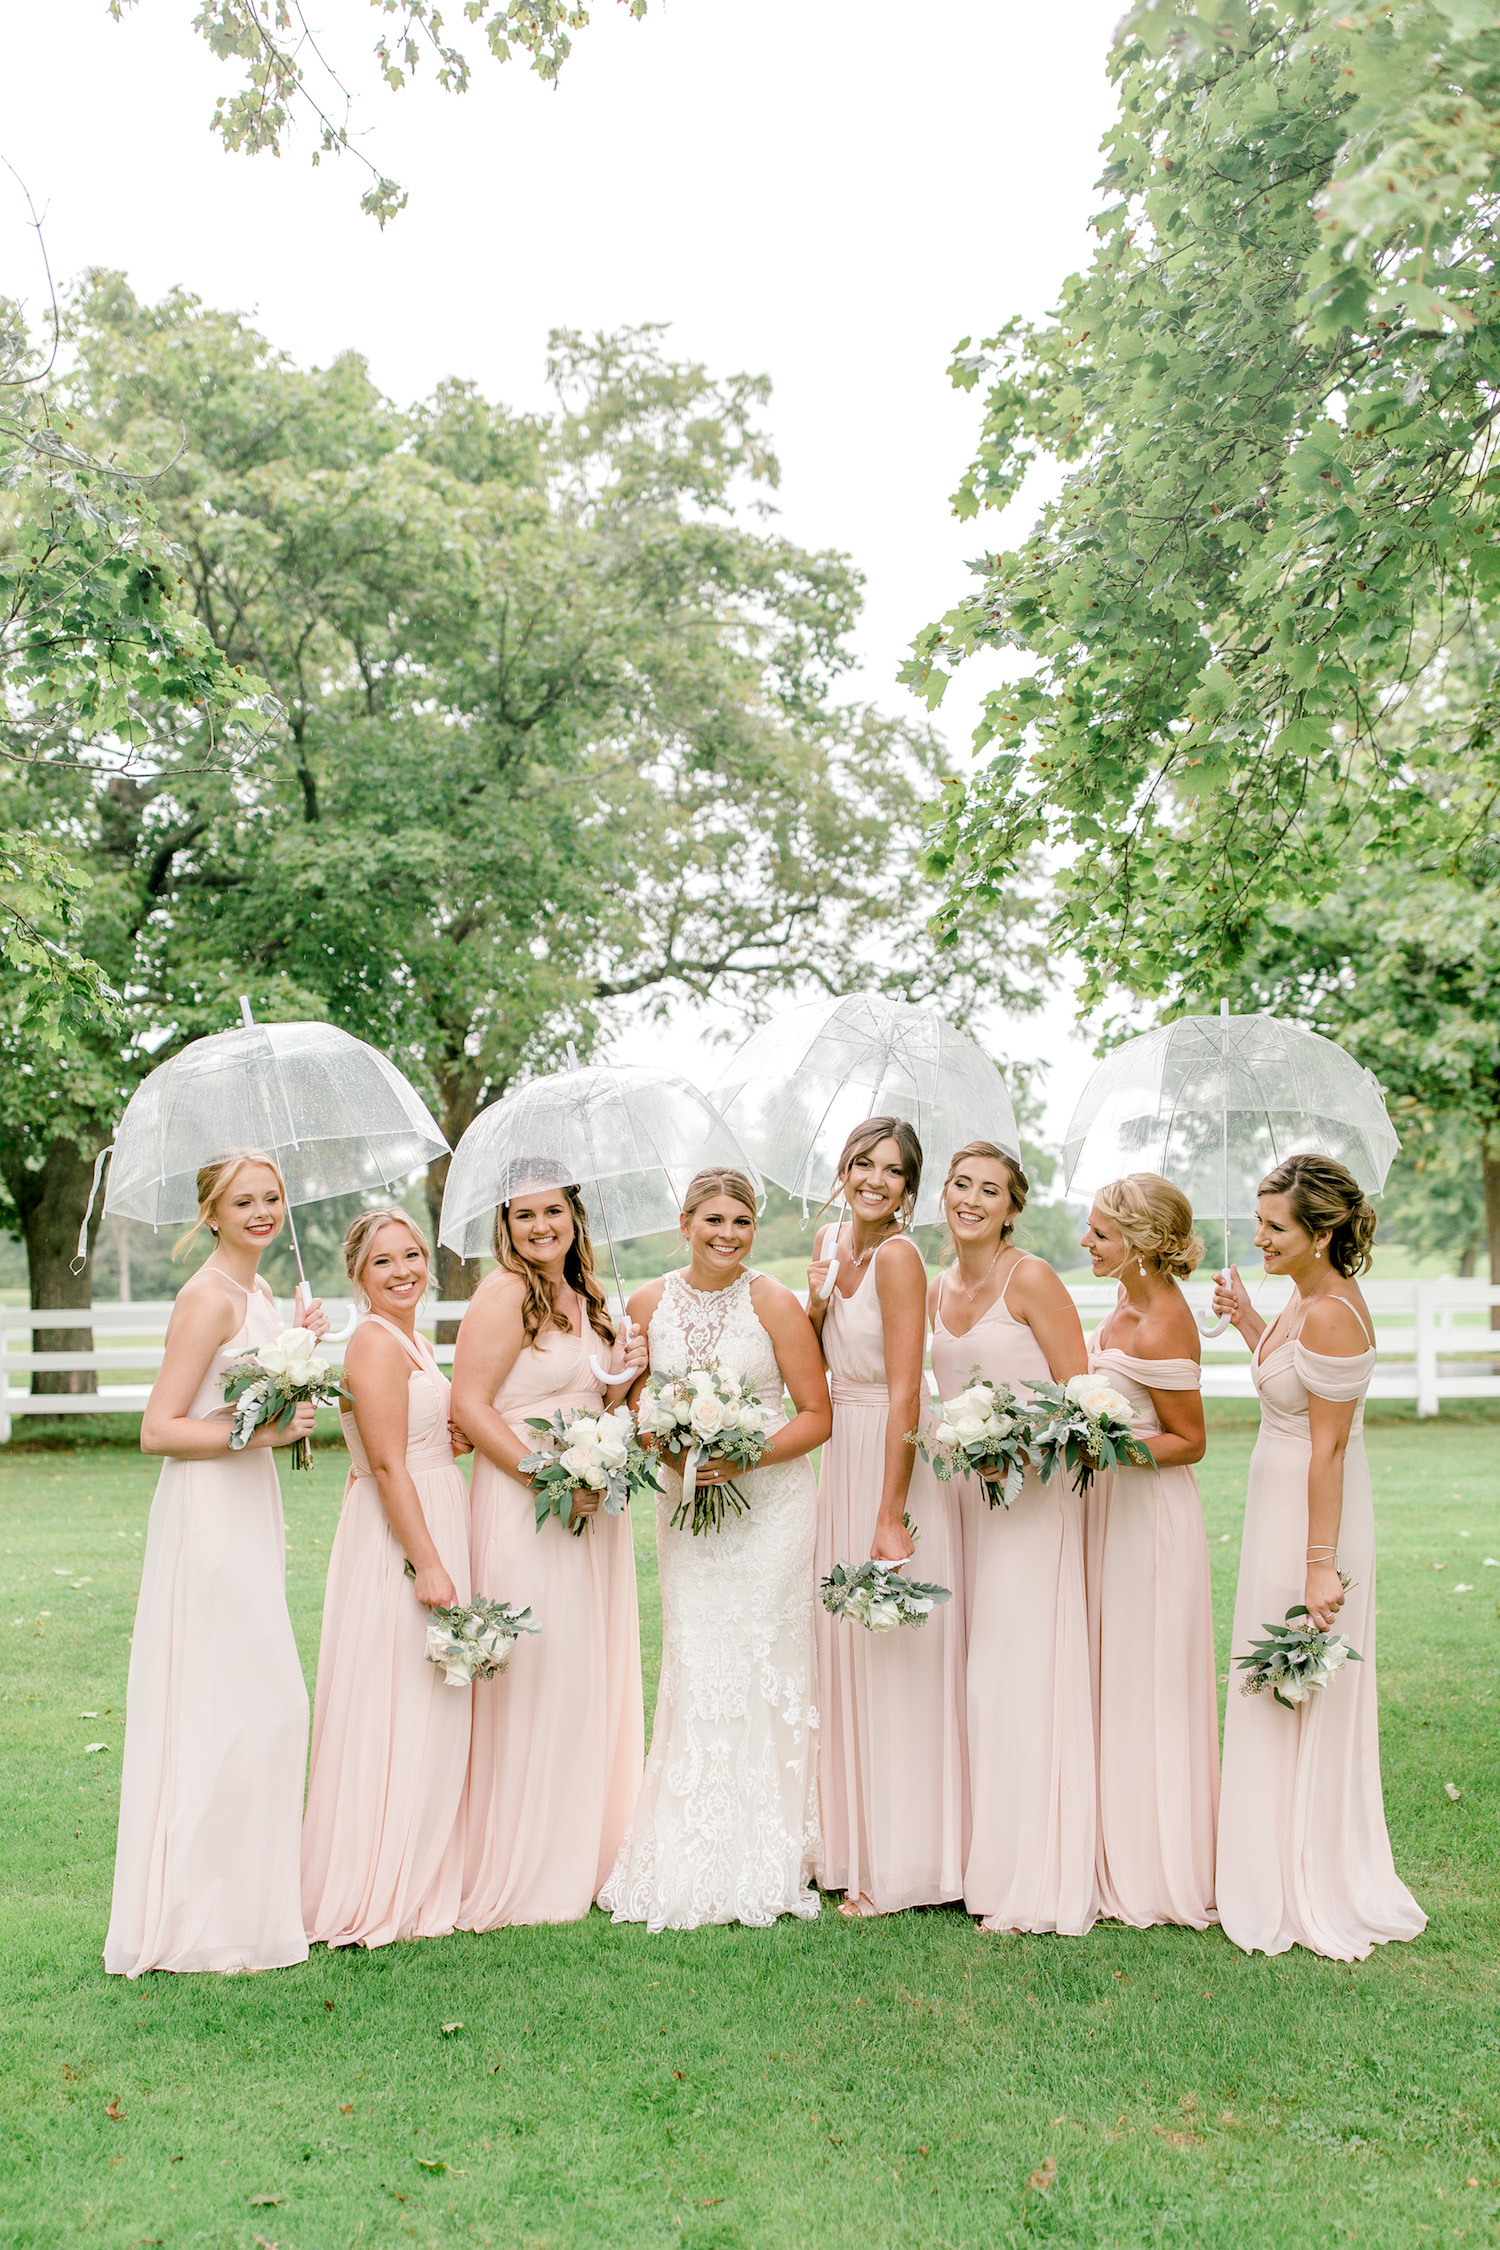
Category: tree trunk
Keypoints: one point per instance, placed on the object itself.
(456, 1277)
(50, 1203)
(1490, 1146)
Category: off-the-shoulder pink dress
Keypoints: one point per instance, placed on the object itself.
(1030, 1862)
(560, 1736)
(891, 1705)
(216, 1713)
(1156, 1704)
(382, 1846)
(1304, 1857)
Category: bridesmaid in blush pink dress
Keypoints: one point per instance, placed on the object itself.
(1030, 1862)
(382, 1848)
(891, 1705)
(1156, 1706)
(559, 1737)
(1304, 1857)
(216, 1707)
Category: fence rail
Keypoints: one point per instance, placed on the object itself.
(1433, 1337)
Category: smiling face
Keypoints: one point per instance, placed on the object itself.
(541, 1227)
(249, 1213)
(875, 1183)
(977, 1203)
(720, 1234)
(394, 1274)
(1106, 1245)
(1283, 1244)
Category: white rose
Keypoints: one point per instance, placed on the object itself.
(946, 1434)
(968, 1425)
(581, 1461)
(1335, 1655)
(290, 1354)
(700, 1382)
(1002, 1425)
(707, 1417)
(1098, 1396)
(613, 1448)
(883, 1615)
(1294, 1691)
(750, 1416)
(657, 1416)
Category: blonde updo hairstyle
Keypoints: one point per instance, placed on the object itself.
(1326, 1198)
(215, 1179)
(721, 1180)
(1155, 1221)
(987, 1152)
(539, 1305)
(359, 1242)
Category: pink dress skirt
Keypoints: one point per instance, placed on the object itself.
(1156, 1702)
(560, 1736)
(890, 1705)
(382, 1844)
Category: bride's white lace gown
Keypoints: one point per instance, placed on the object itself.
(726, 1825)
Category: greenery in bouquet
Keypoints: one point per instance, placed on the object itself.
(1082, 1426)
(588, 1452)
(983, 1432)
(1294, 1661)
(877, 1596)
(270, 1383)
(705, 1414)
(472, 1640)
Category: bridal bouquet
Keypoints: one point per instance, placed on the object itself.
(875, 1595)
(1082, 1426)
(706, 1415)
(270, 1383)
(587, 1452)
(1294, 1661)
(472, 1640)
(983, 1432)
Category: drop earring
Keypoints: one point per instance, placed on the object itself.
(1140, 1267)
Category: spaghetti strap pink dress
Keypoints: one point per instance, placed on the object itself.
(216, 1715)
(1030, 1863)
(560, 1736)
(382, 1847)
(891, 1705)
(1156, 1701)
(1304, 1857)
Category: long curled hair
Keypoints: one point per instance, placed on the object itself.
(539, 1306)
(1326, 1198)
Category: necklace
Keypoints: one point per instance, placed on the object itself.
(971, 1294)
(864, 1254)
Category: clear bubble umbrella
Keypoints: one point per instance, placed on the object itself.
(1212, 1103)
(335, 1114)
(628, 1136)
(798, 1087)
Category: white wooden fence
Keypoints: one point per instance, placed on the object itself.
(1434, 1339)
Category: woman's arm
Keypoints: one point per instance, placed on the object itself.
(640, 1308)
(1331, 1329)
(491, 1338)
(817, 1274)
(204, 1318)
(901, 1283)
(801, 1363)
(1038, 1297)
(1235, 1300)
(1169, 1331)
(379, 1374)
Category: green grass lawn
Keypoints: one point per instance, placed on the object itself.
(863, 2084)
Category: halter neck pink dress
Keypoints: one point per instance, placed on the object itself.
(216, 1713)
(1156, 1699)
(1304, 1857)
(560, 1735)
(1030, 1862)
(382, 1848)
(891, 1705)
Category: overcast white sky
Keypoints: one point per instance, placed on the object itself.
(832, 192)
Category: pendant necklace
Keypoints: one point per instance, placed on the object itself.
(971, 1294)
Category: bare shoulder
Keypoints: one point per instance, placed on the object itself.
(642, 1303)
(208, 1305)
(1036, 1284)
(1169, 1330)
(772, 1299)
(376, 1350)
(900, 1264)
(1333, 1327)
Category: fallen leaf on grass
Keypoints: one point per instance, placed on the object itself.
(113, 2111)
(88, 1714)
(262, 2244)
(329, 2006)
(268, 2202)
(710, 2202)
(1044, 2178)
(682, 2074)
(1452, 1790)
(346, 2109)
(90, 1747)
(431, 2164)
(448, 2029)
(1178, 2140)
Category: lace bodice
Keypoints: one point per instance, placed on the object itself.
(698, 1327)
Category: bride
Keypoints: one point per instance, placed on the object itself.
(725, 1828)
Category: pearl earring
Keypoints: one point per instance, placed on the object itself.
(1317, 1253)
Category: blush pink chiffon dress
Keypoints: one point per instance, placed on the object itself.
(559, 1736)
(216, 1714)
(1030, 1863)
(382, 1844)
(891, 1705)
(1304, 1857)
(1156, 1699)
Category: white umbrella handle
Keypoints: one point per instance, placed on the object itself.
(342, 1336)
(1207, 1325)
(607, 1375)
(832, 1276)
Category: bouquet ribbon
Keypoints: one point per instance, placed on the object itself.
(690, 1473)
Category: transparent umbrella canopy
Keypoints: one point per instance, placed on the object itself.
(336, 1116)
(629, 1137)
(798, 1087)
(1212, 1103)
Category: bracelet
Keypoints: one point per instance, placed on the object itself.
(1323, 1554)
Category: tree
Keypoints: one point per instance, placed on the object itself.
(1275, 394)
(271, 37)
